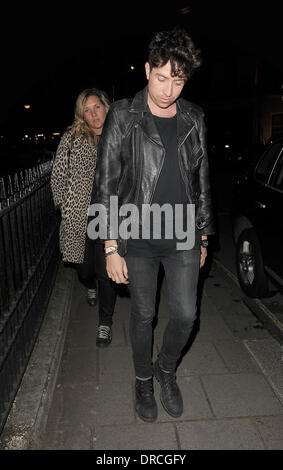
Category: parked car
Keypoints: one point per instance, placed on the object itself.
(257, 220)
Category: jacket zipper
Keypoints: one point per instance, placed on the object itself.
(187, 135)
(179, 162)
(186, 186)
(138, 162)
(157, 177)
(137, 169)
(138, 175)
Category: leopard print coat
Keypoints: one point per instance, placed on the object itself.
(71, 183)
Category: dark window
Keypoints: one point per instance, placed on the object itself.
(266, 163)
(277, 176)
(277, 125)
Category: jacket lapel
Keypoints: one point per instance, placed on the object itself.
(184, 125)
(149, 128)
(139, 105)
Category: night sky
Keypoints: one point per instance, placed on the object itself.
(49, 55)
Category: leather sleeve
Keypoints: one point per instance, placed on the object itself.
(205, 211)
(108, 169)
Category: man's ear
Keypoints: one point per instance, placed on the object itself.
(147, 70)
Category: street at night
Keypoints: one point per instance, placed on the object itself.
(58, 389)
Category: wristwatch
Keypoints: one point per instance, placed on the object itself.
(204, 243)
(111, 250)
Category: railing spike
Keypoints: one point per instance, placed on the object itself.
(22, 181)
(2, 190)
(26, 178)
(30, 175)
(10, 190)
(16, 183)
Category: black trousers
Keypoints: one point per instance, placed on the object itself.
(92, 272)
(181, 272)
(86, 270)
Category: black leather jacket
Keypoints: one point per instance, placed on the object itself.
(131, 154)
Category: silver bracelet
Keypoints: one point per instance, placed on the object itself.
(110, 251)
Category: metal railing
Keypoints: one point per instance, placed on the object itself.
(29, 258)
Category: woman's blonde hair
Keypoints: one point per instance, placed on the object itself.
(80, 126)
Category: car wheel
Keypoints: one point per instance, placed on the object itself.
(250, 269)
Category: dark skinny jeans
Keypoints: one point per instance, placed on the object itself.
(181, 272)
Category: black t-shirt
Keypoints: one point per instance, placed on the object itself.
(170, 189)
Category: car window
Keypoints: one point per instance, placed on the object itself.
(266, 163)
(276, 179)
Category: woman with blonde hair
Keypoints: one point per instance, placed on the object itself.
(72, 183)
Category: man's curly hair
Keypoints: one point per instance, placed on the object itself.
(177, 47)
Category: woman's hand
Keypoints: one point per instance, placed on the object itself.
(203, 255)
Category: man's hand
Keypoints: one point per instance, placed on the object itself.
(116, 268)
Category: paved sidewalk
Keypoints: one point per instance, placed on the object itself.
(230, 379)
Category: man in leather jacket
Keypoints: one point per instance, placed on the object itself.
(153, 151)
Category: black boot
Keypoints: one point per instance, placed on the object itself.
(146, 406)
(171, 397)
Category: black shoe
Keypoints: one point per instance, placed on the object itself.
(146, 406)
(104, 336)
(92, 297)
(170, 397)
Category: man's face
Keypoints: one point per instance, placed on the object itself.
(163, 88)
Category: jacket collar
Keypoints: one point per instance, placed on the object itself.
(139, 102)
(184, 121)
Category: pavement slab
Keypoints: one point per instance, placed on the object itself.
(268, 354)
(202, 358)
(93, 404)
(243, 394)
(136, 437)
(226, 434)
(271, 430)
(235, 356)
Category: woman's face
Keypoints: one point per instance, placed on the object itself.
(94, 114)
